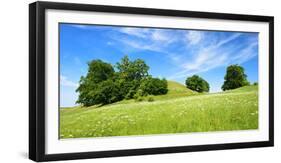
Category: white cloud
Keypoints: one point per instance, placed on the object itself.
(161, 36)
(191, 51)
(64, 81)
(216, 55)
(141, 45)
(80, 26)
(246, 54)
(147, 39)
(209, 55)
(137, 32)
(194, 37)
(203, 62)
(227, 40)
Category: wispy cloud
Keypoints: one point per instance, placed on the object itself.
(64, 81)
(87, 26)
(80, 26)
(227, 39)
(217, 55)
(209, 56)
(194, 37)
(192, 51)
(247, 53)
(137, 32)
(147, 38)
(171, 53)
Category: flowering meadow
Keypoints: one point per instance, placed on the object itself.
(180, 111)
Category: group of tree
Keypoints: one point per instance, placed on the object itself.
(235, 77)
(103, 85)
(130, 79)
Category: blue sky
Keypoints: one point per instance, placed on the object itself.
(171, 53)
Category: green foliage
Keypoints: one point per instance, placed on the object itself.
(175, 90)
(127, 88)
(235, 77)
(98, 72)
(154, 86)
(130, 75)
(139, 99)
(132, 70)
(198, 84)
(104, 86)
(106, 92)
(150, 98)
(138, 94)
(255, 83)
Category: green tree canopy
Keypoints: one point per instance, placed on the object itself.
(98, 71)
(235, 77)
(198, 84)
(130, 75)
(132, 70)
(102, 85)
(106, 92)
(154, 86)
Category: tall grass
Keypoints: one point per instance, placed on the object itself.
(232, 110)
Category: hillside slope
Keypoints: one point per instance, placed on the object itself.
(244, 89)
(175, 90)
(232, 110)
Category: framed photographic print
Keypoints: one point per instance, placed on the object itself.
(111, 81)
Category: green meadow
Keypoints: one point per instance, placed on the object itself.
(181, 110)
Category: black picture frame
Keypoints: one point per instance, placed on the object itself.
(37, 80)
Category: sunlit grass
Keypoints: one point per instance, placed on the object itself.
(232, 110)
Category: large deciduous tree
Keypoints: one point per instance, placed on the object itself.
(132, 70)
(130, 75)
(98, 72)
(235, 77)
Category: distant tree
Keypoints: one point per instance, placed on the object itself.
(98, 71)
(235, 77)
(255, 83)
(198, 84)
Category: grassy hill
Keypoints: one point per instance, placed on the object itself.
(244, 89)
(175, 90)
(177, 112)
(178, 89)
